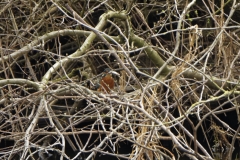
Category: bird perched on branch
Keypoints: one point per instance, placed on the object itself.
(106, 83)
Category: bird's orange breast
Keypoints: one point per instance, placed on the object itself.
(106, 83)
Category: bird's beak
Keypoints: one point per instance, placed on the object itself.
(115, 73)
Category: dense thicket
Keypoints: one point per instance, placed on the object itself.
(177, 92)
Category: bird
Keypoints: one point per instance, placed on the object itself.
(107, 83)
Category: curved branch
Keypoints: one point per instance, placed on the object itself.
(20, 81)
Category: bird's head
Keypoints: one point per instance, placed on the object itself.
(109, 71)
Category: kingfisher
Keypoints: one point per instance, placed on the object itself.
(107, 83)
